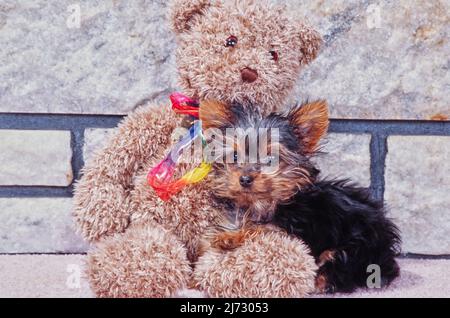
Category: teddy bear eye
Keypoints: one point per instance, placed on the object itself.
(231, 41)
(274, 55)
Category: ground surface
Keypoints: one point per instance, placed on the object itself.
(62, 276)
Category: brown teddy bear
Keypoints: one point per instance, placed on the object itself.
(242, 51)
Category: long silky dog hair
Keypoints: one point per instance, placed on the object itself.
(345, 229)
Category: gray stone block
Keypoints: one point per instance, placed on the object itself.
(417, 191)
(346, 156)
(118, 57)
(382, 59)
(38, 225)
(35, 158)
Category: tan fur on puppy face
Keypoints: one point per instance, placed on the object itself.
(268, 189)
(210, 70)
(274, 183)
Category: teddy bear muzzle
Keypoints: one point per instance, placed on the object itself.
(249, 75)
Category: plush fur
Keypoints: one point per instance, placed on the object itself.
(135, 235)
(267, 264)
(346, 230)
(209, 69)
(132, 264)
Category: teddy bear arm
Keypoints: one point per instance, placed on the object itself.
(103, 205)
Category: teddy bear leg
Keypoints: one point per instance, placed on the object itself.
(267, 264)
(145, 261)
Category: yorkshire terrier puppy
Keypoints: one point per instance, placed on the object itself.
(345, 229)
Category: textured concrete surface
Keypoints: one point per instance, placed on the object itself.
(63, 276)
(417, 191)
(382, 59)
(346, 156)
(35, 158)
(119, 55)
(38, 225)
(42, 276)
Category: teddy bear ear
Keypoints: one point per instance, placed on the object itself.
(183, 11)
(310, 43)
(215, 114)
(310, 122)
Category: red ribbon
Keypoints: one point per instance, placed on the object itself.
(184, 105)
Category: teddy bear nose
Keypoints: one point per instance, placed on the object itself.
(246, 181)
(249, 75)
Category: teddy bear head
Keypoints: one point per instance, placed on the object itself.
(243, 51)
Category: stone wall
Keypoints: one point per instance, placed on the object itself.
(384, 70)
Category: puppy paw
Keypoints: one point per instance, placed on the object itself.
(325, 257)
(228, 241)
(322, 285)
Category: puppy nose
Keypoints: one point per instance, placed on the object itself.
(246, 181)
(248, 75)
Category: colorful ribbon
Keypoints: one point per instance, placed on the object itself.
(161, 176)
(184, 105)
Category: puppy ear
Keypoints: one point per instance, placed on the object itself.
(183, 11)
(214, 114)
(310, 43)
(310, 122)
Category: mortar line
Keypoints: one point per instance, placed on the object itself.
(378, 152)
(57, 121)
(74, 121)
(424, 256)
(35, 192)
(50, 254)
(77, 144)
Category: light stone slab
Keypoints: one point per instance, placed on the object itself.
(418, 191)
(38, 225)
(35, 158)
(346, 156)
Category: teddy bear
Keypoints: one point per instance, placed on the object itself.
(142, 246)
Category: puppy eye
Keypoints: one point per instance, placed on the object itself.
(274, 55)
(231, 41)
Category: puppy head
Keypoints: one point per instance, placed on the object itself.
(261, 161)
(240, 51)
